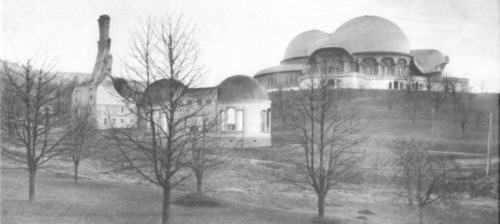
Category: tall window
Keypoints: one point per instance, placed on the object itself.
(265, 120)
(231, 119)
(369, 66)
(390, 85)
(239, 120)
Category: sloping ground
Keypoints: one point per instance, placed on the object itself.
(61, 201)
(248, 192)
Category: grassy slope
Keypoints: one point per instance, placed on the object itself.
(244, 184)
(60, 201)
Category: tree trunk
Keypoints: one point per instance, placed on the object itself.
(199, 183)
(76, 164)
(463, 129)
(32, 173)
(420, 215)
(321, 205)
(166, 203)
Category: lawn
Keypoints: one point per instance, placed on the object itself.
(246, 193)
(59, 200)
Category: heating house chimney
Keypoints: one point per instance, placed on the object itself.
(104, 41)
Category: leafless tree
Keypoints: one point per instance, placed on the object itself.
(391, 98)
(412, 100)
(9, 110)
(159, 150)
(464, 110)
(438, 97)
(205, 152)
(81, 137)
(326, 127)
(450, 88)
(426, 178)
(38, 127)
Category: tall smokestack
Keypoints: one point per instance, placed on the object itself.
(104, 60)
(104, 40)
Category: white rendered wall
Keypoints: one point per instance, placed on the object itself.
(111, 106)
(251, 135)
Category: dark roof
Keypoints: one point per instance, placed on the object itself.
(428, 60)
(240, 88)
(200, 92)
(159, 91)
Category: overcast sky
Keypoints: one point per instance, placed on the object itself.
(243, 37)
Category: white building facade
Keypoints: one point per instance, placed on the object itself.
(367, 52)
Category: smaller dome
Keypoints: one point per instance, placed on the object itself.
(300, 45)
(429, 60)
(240, 88)
(158, 91)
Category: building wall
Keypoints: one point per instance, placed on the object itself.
(256, 130)
(112, 110)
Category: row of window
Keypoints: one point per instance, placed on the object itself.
(113, 121)
(399, 85)
(232, 119)
(198, 102)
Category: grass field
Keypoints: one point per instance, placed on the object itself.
(247, 191)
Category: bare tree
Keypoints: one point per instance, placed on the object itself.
(326, 127)
(450, 88)
(164, 59)
(464, 110)
(426, 178)
(205, 152)
(391, 98)
(412, 101)
(82, 135)
(38, 127)
(9, 110)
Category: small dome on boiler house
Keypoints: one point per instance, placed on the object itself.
(240, 88)
(159, 91)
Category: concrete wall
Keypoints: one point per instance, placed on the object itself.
(251, 134)
(111, 109)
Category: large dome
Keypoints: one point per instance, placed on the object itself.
(302, 43)
(240, 88)
(159, 91)
(371, 34)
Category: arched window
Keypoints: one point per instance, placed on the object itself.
(401, 67)
(230, 119)
(239, 120)
(268, 120)
(396, 85)
(370, 66)
(388, 66)
(265, 120)
(390, 85)
(401, 85)
(262, 121)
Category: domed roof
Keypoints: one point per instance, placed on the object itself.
(158, 91)
(429, 60)
(240, 88)
(301, 44)
(371, 34)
